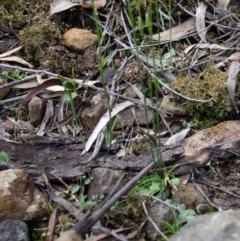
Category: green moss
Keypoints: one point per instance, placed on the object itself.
(18, 13)
(211, 85)
(127, 214)
(38, 37)
(141, 146)
(63, 221)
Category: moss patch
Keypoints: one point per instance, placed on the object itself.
(210, 84)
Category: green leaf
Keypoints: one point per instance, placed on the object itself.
(87, 180)
(5, 73)
(4, 157)
(143, 191)
(176, 181)
(69, 85)
(169, 54)
(114, 205)
(155, 187)
(70, 96)
(182, 206)
(91, 203)
(75, 189)
(101, 196)
(82, 199)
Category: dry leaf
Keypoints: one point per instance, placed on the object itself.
(222, 4)
(48, 114)
(200, 20)
(177, 137)
(17, 60)
(176, 33)
(224, 63)
(103, 122)
(232, 79)
(204, 46)
(10, 52)
(61, 5)
(51, 224)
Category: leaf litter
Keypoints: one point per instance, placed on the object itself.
(215, 142)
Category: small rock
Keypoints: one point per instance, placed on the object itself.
(219, 226)
(79, 39)
(126, 117)
(170, 105)
(188, 195)
(107, 75)
(159, 213)
(3, 92)
(18, 126)
(90, 116)
(130, 92)
(15, 197)
(36, 108)
(13, 230)
(7, 41)
(104, 180)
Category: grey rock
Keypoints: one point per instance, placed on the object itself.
(219, 226)
(104, 180)
(36, 108)
(13, 230)
(107, 75)
(159, 213)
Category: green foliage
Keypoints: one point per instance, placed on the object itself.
(151, 184)
(71, 92)
(165, 60)
(175, 181)
(209, 164)
(108, 133)
(16, 74)
(115, 205)
(4, 157)
(184, 216)
(81, 200)
(71, 89)
(76, 188)
(85, 204)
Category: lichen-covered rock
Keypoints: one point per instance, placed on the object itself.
(13, 230)
(36, 108)
(15, 197)
(220, 226)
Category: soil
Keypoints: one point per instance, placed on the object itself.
(43, 47)
(222, 182)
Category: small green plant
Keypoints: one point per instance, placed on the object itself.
(175, 181)
(209, 164)
(4, 157)
(108, 134)
(184, 216)
(151, 184)
(154, 184)
(80, 187)
(115, 205)
(71, 89)
(85, 204)
(16, 74)
(82, 198)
